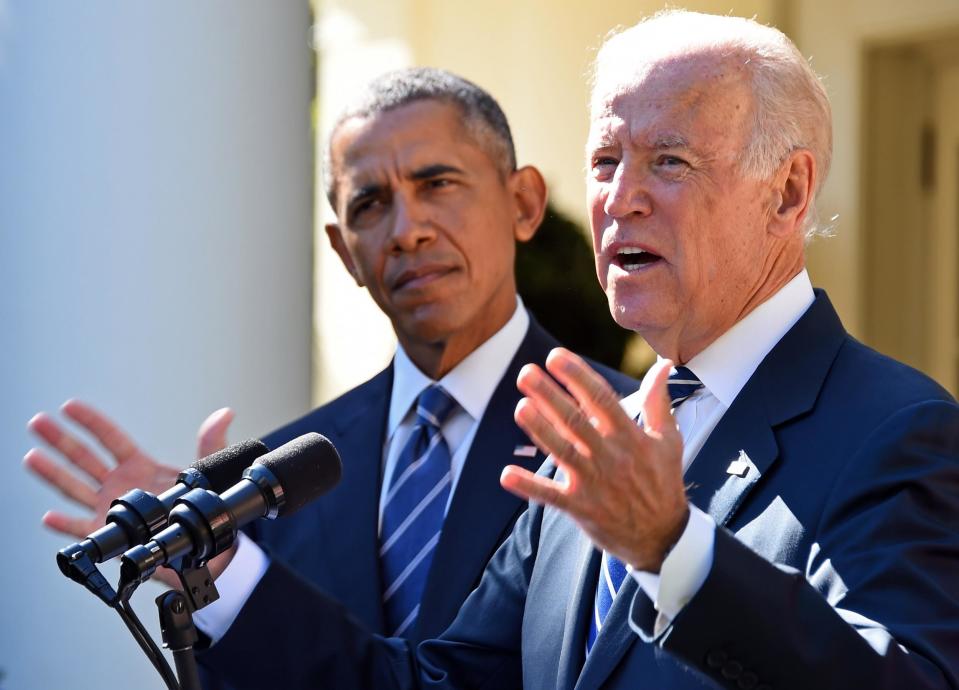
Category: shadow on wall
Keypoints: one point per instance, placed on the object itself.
(556, 276)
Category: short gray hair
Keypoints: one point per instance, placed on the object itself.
(482, 116)
(791, 106)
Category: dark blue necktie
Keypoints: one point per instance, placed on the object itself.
(413, 511)
(682, 384)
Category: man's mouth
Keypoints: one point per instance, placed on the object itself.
(633, 258)
(420, 277)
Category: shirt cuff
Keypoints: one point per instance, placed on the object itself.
(235, 585)
(685, 568)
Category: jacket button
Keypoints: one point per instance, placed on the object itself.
(747, 681)
(716, 658)
(732, 670)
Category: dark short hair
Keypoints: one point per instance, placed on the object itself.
(482, 116)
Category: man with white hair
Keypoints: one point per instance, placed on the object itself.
(784, 513)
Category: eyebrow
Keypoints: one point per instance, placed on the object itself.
(670, 141)
(657, 143)
(434, 170)
(425, 173)
(363, 192)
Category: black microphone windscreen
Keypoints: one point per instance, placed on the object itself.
(306, 467)
(224, 468)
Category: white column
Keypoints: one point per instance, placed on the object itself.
(155, 259)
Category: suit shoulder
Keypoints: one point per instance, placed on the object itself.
(335, 411)
(888, 382)
(541, 342)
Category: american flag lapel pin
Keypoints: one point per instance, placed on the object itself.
(524, 451)
(739, 466)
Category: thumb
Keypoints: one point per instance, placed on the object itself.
(212, 434)
(656, 404)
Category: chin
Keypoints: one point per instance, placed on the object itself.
(433, 323)
(639, 312)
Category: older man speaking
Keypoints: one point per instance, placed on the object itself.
(784, 513)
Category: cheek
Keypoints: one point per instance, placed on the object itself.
(597, 222)
(368, 264)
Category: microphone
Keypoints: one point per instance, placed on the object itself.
(203, 524)
(136, 515)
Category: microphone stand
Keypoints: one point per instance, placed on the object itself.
(179, 636)
(176, 618)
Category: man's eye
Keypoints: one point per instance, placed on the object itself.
(604, 167)
(438, 182)
(670, 161)
(601, 162)
(363, 206)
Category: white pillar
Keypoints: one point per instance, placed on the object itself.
(155, 259)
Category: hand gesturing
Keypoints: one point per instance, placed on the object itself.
(85, 477)
(624, 483)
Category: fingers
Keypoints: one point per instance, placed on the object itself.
(57, 476)
(550, 439)
(75, 527)
(657, 410)
(44, 426)
(534, 487)
(556, 404)
(212, 434)
(589, 389)
(109, 434)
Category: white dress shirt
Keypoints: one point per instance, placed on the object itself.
(724, 367)
(471, 383)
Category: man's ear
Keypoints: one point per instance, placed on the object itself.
(793, 192)
(529, 190)
(335, 236)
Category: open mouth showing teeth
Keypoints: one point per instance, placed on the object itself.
(632, 258)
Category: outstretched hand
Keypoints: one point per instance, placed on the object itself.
(90, 480)
(623, 483)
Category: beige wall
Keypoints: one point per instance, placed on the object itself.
(835, 35)
(533, 56)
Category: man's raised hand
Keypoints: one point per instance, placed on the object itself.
(93, 481)
(623, 483)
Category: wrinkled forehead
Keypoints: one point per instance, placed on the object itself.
(676, 91)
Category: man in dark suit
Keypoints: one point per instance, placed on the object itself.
(785, 513)
(430, 203)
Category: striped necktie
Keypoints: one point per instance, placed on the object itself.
(413, 511)
(682, 383)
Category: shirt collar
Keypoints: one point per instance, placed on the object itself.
(471, 382)
(726, 364)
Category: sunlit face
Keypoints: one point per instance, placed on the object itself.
(426, 222)
(679, 234)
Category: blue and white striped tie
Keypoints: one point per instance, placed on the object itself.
(682, 383)
(413, 511)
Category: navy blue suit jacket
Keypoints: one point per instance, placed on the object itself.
(836, 562)
(333, 542)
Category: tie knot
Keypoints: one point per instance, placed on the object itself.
(434, 406)
(682, 383)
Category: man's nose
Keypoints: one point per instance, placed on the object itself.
(627, 193)
(412, 227)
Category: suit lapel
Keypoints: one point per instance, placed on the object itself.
(579, 610)
(743, 448)
(352, 509)
(614, 640)
(742, 436)
(481, 510)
